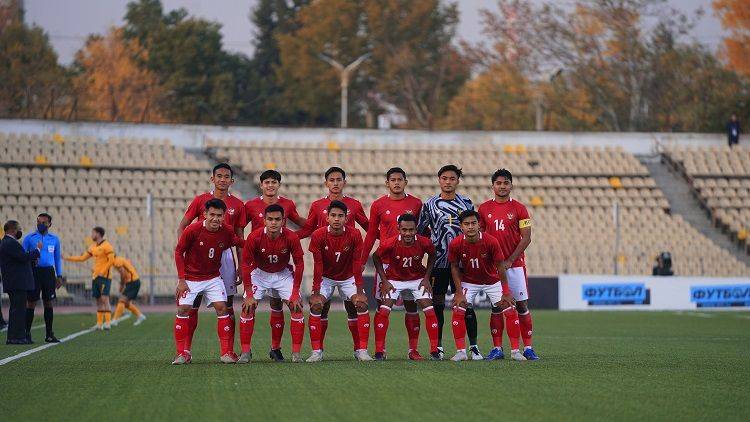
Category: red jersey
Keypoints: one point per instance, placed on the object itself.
(271, 255)
(478, 261)
(504, 222)
(255, 209)
(198, 252)
(234, 216)
(336, 257)
(318, 216)
(405, 261)
(384, 213)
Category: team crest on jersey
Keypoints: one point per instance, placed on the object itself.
(325, 211)
(221, 245)
(201, 243)
(231, 211)
(489, 215)
(285, 250)
(409, 212)
(260, 215)
(263, 249)
(387, 212)
(510, 216)
(484, 255)
(346, 248)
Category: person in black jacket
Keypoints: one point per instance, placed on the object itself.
(733, 130)
(15, 265)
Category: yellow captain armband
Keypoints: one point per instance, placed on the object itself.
(524, 223)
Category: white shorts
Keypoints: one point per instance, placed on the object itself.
(347, 288)
(228, 271)
(408, 290)
(494, 292)
(213, 290)
(517, 283)
(278, 285)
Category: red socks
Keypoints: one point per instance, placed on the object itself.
(223, 327)
(232, 326)
(247, 326)
(459, 327)
(381, 327)
(526, 327)
(314, 324)
(277, 328)
(181, 331)
(496, 328)
(354, 329)
(323, 329)
(511, 325)
(192, 323)
(412, 323)
(297, 327)
(363, 329)
(431, 323)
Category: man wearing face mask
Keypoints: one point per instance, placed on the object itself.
(15, 264)
(47, 274)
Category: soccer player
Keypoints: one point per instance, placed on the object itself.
(198, 261)
(337, 249)
(384, 214)
(405, 276)
(222, 177)
(335, 181)
(130, 284)
(266, 271)
(270, 182)
(439, 217)
(508, 221)
(104, 256)
(47, 274)
(476, 265)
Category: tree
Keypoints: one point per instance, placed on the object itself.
(735, 16)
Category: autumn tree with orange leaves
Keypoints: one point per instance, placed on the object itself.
(735, 16)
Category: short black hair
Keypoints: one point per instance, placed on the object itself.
(407, 217)
(335, 170)
(47, 216)
(223, 166)
(394, 170)
(450, 167)
(270, 174)
(502, 173)
(466, 214)
(338, 204)
(10, 225)
(215, 203)
(99, 230)
(274, 208)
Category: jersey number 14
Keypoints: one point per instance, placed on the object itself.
(499, 226)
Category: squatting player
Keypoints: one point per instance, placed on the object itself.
(335, 181)
(130, 284)
(508, 221)
(337, 249)
(405, 276)
(384, 213)
(222, 177)
(198, 261)
(476, 266)
(266, 271)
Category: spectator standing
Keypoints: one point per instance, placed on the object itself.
(733, 130)
(15, 264)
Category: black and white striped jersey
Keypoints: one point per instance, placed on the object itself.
(441, 217)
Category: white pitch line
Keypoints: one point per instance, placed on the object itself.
(48, 345)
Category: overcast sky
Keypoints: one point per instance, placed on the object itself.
(68, 22)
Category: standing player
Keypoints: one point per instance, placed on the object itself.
(440, 215)
(222, 177)
(130, 284)
(406, 276)
(337, 249)
(266, 271)
(198, 258)
(476, 265)
(270, 182)
(384, 214)
(509, 222)
(335, 181)
(104, 256)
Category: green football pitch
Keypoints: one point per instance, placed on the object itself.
(596, 365)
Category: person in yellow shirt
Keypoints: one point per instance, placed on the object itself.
(130, 284)
(104, 256)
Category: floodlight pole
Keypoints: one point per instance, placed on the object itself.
(152, 251)
(345, 73)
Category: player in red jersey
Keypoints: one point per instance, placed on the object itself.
(476, 266)
(335, 181)
(405, 276)
(384, 213)
(337, 249)
(509, 222)
(270, 182)
(266, 271)
(222, 178)
(198, 260)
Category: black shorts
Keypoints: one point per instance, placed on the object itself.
(441, 280)
(44, 284)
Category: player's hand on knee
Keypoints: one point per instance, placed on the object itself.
(249, 304)
(459, 300)
(386, 288)
(359, 300)
(425, 284)
(507, 301)
(182, 289)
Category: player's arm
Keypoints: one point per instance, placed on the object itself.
(190, 214)
(124, 277)
(309, 226)
(522, 245)
(377, 259)
(184, 242)
(424, 224)
(357, 264)
(110, 258)
(458, 297)
(496, 254)
(299, 269)
(361, 218)
(372, 234)
(296, 218)
(80, 258)
(430, 264)
(239, 242)
(247, 265)
(317, 265)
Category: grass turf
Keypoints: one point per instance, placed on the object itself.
(595, 365)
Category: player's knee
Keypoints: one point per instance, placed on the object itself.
(361, 306)
(220, 308)
(521, 307)
(183, 310)
(316, 308)
(351, 310)
(496, 309)
(470, 315)
(387, 302)
(424, 303)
